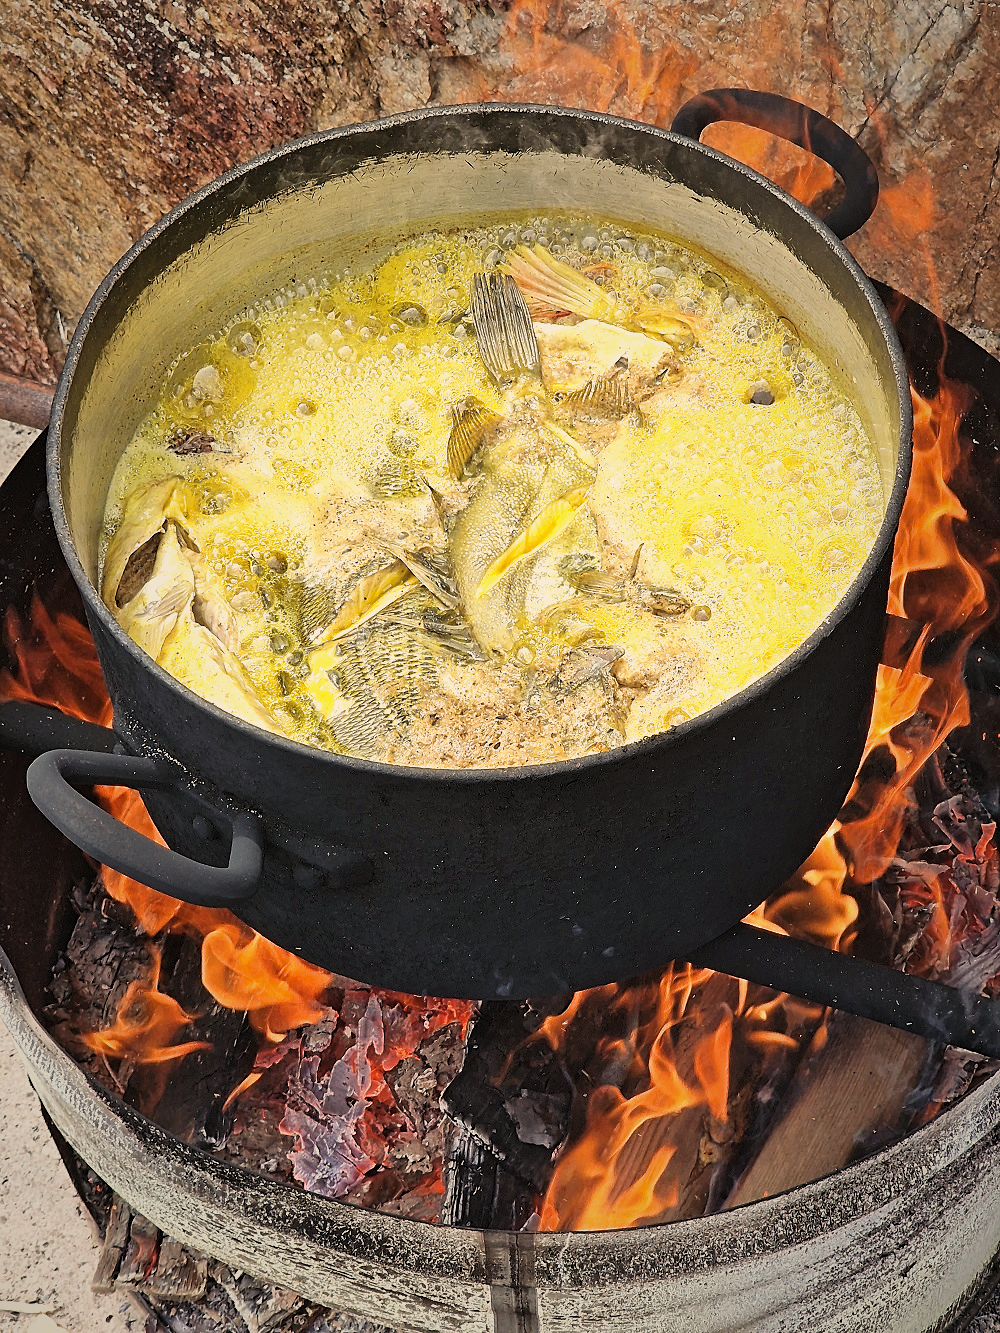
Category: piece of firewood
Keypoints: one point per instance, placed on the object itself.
(113, 1247)
(853, 1088)
(143, 1250)
(686, 1129)
(178, 1275)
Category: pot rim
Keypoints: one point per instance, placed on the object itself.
(554, 768)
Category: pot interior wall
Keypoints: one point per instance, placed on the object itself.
(313, 205)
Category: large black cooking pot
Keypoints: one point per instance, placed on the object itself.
(509, 882)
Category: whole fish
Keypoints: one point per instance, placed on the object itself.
(529, 507)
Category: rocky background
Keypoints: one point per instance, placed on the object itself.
(113, 110)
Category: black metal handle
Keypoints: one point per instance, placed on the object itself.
(927, 1008)
(799, 125)
(112, 843)
(34, 729)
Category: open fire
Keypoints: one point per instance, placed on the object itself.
(671, 1083)
(676, 1078)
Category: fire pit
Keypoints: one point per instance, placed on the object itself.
(901, 1241)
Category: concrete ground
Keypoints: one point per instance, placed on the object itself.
(48, 1242)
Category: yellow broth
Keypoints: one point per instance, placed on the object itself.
(325, 413)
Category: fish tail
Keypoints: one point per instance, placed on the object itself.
(551, 287)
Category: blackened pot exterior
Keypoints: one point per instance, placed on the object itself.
(506, 882)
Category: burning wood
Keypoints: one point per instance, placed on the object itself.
(645, 1101)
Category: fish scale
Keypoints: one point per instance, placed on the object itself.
(381, 675)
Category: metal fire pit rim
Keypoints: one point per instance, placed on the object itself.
(557, 770)
(560, 1259)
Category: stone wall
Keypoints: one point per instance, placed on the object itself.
(113, 110)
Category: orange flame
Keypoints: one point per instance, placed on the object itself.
(798, 172)
(146, 1024)
(605, 67)
(557, 56)
(56, 665)
(657, 1122)
(243, 970)
(934, 583)
(937, 586)
(904, 222)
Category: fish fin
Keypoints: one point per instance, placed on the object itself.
(504, 335)
(369, 596)
(551, 287)
(599, 583)
(563, 436)
(471, 422)
(440, 583)
(138, 569)
(152, 614)
(143, 516)
(606, 396)
(556, 515)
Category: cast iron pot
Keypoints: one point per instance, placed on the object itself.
(510, 882)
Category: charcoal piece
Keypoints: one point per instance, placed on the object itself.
(326, 1114)
(193, 1102)
(473, 1099)
(482, 1109)
(102, 959)
(539, 1117)
(418, 1080)
(479, 1191)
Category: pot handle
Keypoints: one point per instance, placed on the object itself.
(869, 990)
(112, 843)
(800, 125)
(34, 729)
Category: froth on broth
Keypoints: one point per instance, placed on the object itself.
(338, 524)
